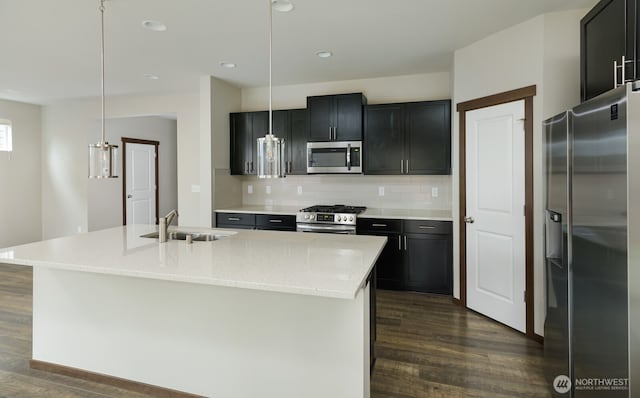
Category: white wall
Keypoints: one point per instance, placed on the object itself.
(543, 51)
(20, 220)
(105, 196)
(64, 156)
(421, 87)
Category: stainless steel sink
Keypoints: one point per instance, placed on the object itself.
(181, 235)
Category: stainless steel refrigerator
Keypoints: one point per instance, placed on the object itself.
(592, 247)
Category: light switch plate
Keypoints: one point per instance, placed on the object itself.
(195, 188)
(249, 189)
(268, 189)
(299, 189)
(380, 191)
(434, 192)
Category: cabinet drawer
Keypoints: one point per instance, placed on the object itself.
(276, 221)
(427, 227)
(235, 219)
(379, 224)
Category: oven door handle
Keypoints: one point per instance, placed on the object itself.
(334, 229)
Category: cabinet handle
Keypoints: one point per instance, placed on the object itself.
(426, 227)
(233, 219)
(252, 166)
(401, 166)
(407, 168)
(275, 221)
(378, 225)
(615, 73)
(405, 243)
(399, 243)
(335, 133)
(624, 66)
(330, 134)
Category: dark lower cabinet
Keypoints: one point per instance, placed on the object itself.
(417, 257)
(274, 222)
(428, 263)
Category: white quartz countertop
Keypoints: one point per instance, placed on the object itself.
(407, 214)
(327, 265)
(253, 209)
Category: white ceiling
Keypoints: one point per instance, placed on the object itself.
(49, 49)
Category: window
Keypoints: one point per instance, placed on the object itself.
(5, 135)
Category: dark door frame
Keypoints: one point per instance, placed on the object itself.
(125, 141)
(526, 94)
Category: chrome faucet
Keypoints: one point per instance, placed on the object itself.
(164, 225)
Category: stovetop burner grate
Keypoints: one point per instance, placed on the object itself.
(342, 209)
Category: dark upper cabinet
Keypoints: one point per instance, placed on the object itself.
(608, 33)
(408, 138)
(384, 139)
(335, 117)
(246, 127)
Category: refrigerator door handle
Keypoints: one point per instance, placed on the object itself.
(553, 234)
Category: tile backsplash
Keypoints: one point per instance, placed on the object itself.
(398, 192)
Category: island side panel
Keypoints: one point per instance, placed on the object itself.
(208, 340)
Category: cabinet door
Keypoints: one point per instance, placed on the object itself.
(348, 118)
(603, 38)
(384, 139)
(260, 127)
(241, 135)
(298, 142)
(320, 111)
(428, 137)
(390, 268)
(429, 264)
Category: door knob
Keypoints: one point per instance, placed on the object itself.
(469, 220)
(129, 196)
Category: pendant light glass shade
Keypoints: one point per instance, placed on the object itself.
(270, 154)
(103, 157)
(103, 160)
(270, 157)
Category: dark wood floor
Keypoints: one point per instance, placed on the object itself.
(427, 347)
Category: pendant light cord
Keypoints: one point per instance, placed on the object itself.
(270, 74)
(101, 8)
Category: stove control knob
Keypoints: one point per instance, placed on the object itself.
(312, 216)
(351, 218)
(339, 219)
(306, 216)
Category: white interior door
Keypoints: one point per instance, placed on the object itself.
(495, 213)
(140, 184)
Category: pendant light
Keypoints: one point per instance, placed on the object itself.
(270, 154)
(103, 157)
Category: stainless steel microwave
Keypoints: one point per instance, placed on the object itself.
(334, 157)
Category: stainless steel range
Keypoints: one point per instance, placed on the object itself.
(335, 219)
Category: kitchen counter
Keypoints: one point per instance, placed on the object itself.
(284, 262)
(407, 214)
(254, 209)
(255, 313)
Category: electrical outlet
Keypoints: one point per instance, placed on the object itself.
(434, 192)
(250, 189)
(299, 189)
(380, 191)
(268, 189)
(79, 229)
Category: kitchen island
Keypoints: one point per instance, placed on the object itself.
(255, 313)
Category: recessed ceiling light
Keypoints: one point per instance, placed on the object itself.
(151, 76)
(229, 65)
(282, 5)
(324, 54)
(154, 25)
